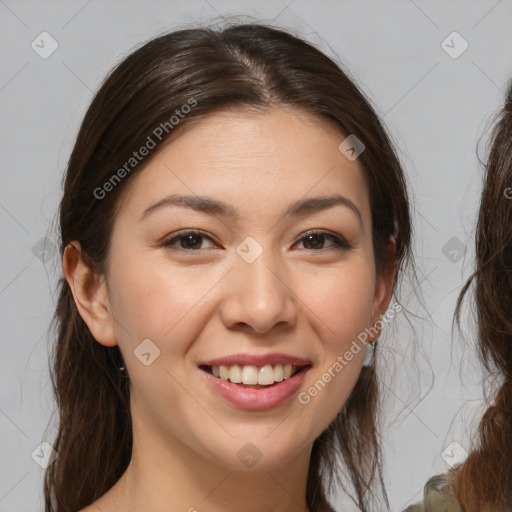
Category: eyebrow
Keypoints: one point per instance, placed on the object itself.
(215, 207)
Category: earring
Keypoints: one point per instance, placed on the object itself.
(370, 352)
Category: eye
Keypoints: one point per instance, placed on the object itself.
(316, 239)
(188, 240)
(191, 241)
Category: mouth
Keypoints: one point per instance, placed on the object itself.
(253, 382)
(255, 377)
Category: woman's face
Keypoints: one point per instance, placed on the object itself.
(248, 288)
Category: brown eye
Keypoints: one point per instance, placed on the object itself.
(191, 241)
(188, 241)
(316, 240)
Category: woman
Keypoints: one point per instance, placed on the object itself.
(232, 375)
(483, 483)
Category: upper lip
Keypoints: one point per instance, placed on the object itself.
(256, 360)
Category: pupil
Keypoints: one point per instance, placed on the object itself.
(190, 240)
(314, 237)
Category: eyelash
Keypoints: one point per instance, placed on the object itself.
(340, 243)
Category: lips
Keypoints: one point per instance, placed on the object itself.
(251, 398)
(255, 382)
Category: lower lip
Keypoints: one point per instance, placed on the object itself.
(250, 399)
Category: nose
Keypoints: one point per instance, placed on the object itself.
(258, 296)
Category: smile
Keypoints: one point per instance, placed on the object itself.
(250, 375)
(258, 386)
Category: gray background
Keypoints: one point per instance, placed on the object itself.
(435, 106)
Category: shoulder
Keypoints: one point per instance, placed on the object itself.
(438, 496)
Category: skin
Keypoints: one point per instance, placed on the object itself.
(294, 298)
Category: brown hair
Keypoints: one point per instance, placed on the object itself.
(241, 66)
(484, 481)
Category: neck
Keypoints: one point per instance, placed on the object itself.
(165, 474)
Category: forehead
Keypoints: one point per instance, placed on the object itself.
(251, 159)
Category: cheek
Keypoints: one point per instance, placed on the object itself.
(153, 301)
(344, 305)
(343, 301)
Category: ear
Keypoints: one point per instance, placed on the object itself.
(90, 293)
(384, 289)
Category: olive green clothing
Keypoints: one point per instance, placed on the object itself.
(437, 497)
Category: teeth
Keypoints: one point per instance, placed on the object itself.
(266, 375)
(235, 374)
(223, 373)
(249, 374)
(278, 373)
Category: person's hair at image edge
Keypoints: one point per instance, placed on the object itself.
(248, 67)
(484, 481)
